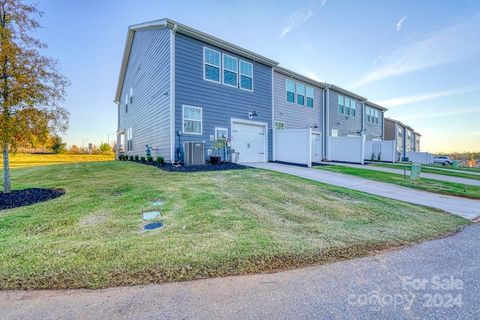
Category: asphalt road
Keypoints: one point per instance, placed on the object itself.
(433, 280)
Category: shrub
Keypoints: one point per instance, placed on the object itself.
(142, 158)
(130, 158)
(149, 158)
(160, 160)
(136, 158)
(120, 157)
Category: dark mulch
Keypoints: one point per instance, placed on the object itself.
(207, 167)
(26, 197)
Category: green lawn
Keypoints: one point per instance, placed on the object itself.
(446, 171)
(216, 224)
(437, 186)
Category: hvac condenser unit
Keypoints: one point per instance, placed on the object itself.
(194, 153)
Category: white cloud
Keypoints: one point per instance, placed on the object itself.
(456, 112)
(377, 59)
(444, 46)
(300, 16)
(399, 24)
(398, 101)
(475, 133)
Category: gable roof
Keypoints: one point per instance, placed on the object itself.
(371, 104)
(299, 76)
(191, 32)
(346, 92)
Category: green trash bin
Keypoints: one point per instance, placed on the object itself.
(415, 171)
(455, 163)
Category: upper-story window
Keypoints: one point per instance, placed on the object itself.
(347, 106)
(230, 70)
(211, 64)
(400, 132)
(372, 115)
(126, 103)
(309, 96)
(300, 93)
(290, 86)
(246, 75)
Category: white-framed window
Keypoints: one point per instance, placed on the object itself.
(373, 115)
(211, 65)
(192, 120)
(129, 139)
(300, 93)
(341, 104)
(279, 125)
(347, 106)
(290, 88)
(309, 91)
(353, 107)
(126, 103)
(230, 70)
(221, 133)
(131, 94)
(246, 75)
(334, 132)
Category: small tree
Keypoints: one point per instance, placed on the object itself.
(104, 147)
(31, 88)
(57, 144)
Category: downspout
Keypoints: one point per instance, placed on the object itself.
(362, 127)
(172, 95)
(327, 123)
(273, 117)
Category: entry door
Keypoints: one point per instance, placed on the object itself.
(249, 140)
(316, 147)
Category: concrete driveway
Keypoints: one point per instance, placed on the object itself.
(433, 280)
(425, 175)
(467, 208)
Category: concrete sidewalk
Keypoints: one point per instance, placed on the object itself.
(467, 208)
(426, 175)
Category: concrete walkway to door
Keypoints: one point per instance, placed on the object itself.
(467, 208)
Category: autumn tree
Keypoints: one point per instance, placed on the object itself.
(31, 88)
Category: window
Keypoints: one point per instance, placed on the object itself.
(347, 106)
(279, 125)
(377, 116)
(341, 104)
(131, 95)
(290, 85)
(230, 70)
(246, 75)
(300, 93)
(353, 107)
(309, 97)
(129, 138)
(126, 103)
(192, 120)
(221, 133)
(211, 65)
(373, 115)
(334, 132)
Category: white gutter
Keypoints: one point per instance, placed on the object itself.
(172, 94)
(273, 117)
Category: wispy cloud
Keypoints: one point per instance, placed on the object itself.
(444, 46)
(398, 101)
(300, 16)
(399, 24)
(474, 133)
(377, 59)
(456, 112)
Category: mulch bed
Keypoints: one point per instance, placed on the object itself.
(26, 197)
(207, 167)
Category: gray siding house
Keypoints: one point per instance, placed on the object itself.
(416, 141)
(180, 85)
(344, 112)
(373, 124)
(395, 130)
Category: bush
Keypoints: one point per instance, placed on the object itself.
(142, 158)
(160, 160)
(130, 158)
(149, 158)
(120, 158)
(136, 158)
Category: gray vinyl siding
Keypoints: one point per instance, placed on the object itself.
(293, 115)
(373, 130)
(148, 72)
(408, 140)
(346, 125)
(219, 103)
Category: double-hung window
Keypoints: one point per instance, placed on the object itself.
(353, 107)
(290, 86)
(341, 104)
(129, 138)
(192, 120)
(309, 96)
(246, 75)
(347, 106)
(126, 103)
(221, 133)
(211, 64)
(300, 93)
(230, 70)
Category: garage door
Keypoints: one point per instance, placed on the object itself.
(249, 140)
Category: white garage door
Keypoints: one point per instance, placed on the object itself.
(249, 140)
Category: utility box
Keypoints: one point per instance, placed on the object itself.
(415, 171)
(194, 153)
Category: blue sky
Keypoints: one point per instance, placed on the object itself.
(421, 59)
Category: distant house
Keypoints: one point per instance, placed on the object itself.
(407, 140)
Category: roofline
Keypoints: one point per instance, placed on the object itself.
(346, 92)
(299, 76)
(400, 123)
(191, 32)
(372, 104)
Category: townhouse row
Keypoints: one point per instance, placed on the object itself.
(181, 90)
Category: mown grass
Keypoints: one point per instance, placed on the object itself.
(447, 171)
(216, 224)
(431, 185)
(23, 160)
